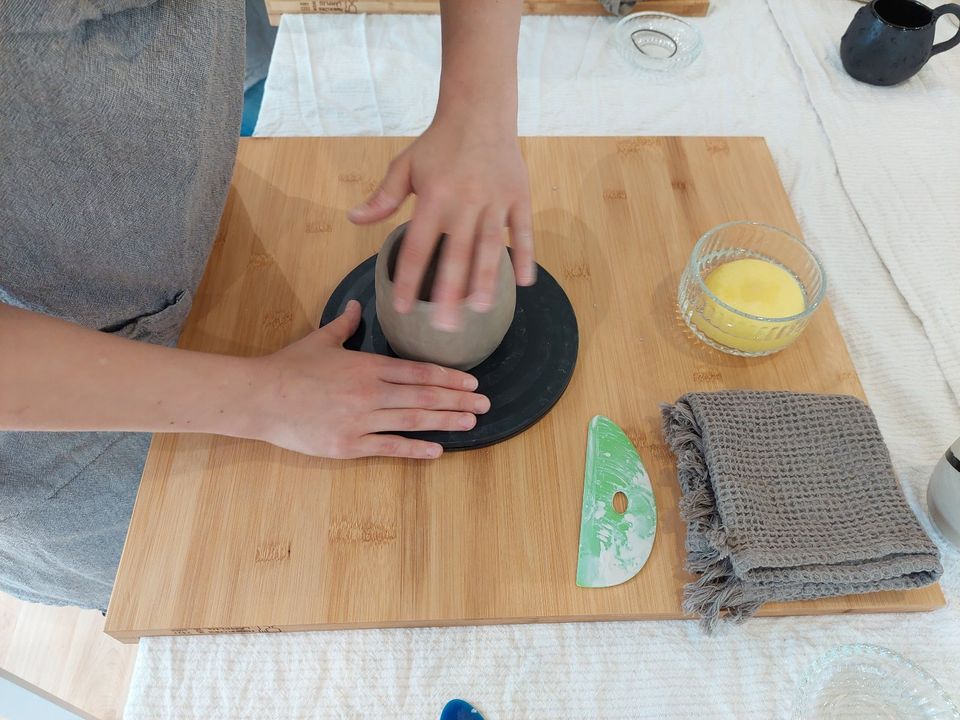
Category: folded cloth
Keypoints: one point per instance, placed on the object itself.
(789, 496)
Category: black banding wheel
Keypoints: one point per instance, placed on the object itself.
(523, 378)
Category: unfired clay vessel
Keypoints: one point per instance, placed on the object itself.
(413, 337)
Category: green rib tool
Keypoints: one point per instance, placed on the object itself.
(614, 546)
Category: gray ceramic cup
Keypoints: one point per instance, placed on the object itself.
(413, 337)
(943, 494)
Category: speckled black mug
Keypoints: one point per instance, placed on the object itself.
(890, 40)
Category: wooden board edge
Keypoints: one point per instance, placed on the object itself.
(768, 611)
(131, 636)
(927, 599)
(110, 619)
(587, 8)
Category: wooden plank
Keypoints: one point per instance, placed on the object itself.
(276, 8)
(62, 654)
(237, 536)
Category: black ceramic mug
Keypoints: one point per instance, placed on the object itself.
(890, 40)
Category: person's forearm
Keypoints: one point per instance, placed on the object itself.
(479, 76)
(58, 376)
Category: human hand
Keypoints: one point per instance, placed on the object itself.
(471, 183)
(321, 399)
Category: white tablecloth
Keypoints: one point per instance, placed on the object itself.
(874, 176)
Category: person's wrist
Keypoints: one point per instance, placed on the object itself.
(488, 113)
(240, 403)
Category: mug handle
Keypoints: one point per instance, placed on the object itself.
(955, 40)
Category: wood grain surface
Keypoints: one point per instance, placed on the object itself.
(276, 8)
(62, 654)
(238, 536)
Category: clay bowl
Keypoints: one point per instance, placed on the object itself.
(413, 337)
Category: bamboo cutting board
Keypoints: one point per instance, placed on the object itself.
(276, 8)
(238, 536)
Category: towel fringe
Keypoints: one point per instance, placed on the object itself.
(717, 591)
(697, 505)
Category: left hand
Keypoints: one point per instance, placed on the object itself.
(471, 183)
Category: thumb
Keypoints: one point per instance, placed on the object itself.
(386, 198)
(341, 329)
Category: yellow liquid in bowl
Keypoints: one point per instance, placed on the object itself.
(756, 287)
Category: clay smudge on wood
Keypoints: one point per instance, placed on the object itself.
(366, 532)
(317, 226)
(578, 271)
(272, 552)
(225, 630)
(277, 319)
(635, 145)
(260, 260)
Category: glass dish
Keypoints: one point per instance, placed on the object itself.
(865, 681)
(657, 41)
(734, 331)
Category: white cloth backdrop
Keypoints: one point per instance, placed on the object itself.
(874, 176)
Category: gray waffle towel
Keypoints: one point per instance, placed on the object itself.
(618, 7)
(789, 496)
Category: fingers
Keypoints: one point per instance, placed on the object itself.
(396, 446)
(415, 253)
(521, 236)
(341, 329)
(416, 420)
(406, 372)
(453, 273)
(432, 398)
(486, 266)
(388, 197)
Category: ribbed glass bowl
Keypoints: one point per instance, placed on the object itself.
(657, 41)
(861, 682)
(723, 326)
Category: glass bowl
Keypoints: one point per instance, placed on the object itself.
(865, 681)
(657, 41)
(732, 321)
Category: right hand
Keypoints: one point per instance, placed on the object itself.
(318, 398)
(470, 181)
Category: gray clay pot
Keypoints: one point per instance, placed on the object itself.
(413, 337)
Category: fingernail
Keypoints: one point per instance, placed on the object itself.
(358, 210)
(433, 451)
(371, 202)
(481, 302)
(482, 405)
(529, 276)
(446, 320)
(467, 421)
(470, 383)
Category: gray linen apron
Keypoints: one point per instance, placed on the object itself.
(119, 122)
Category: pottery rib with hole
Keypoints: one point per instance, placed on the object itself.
(412, 336)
